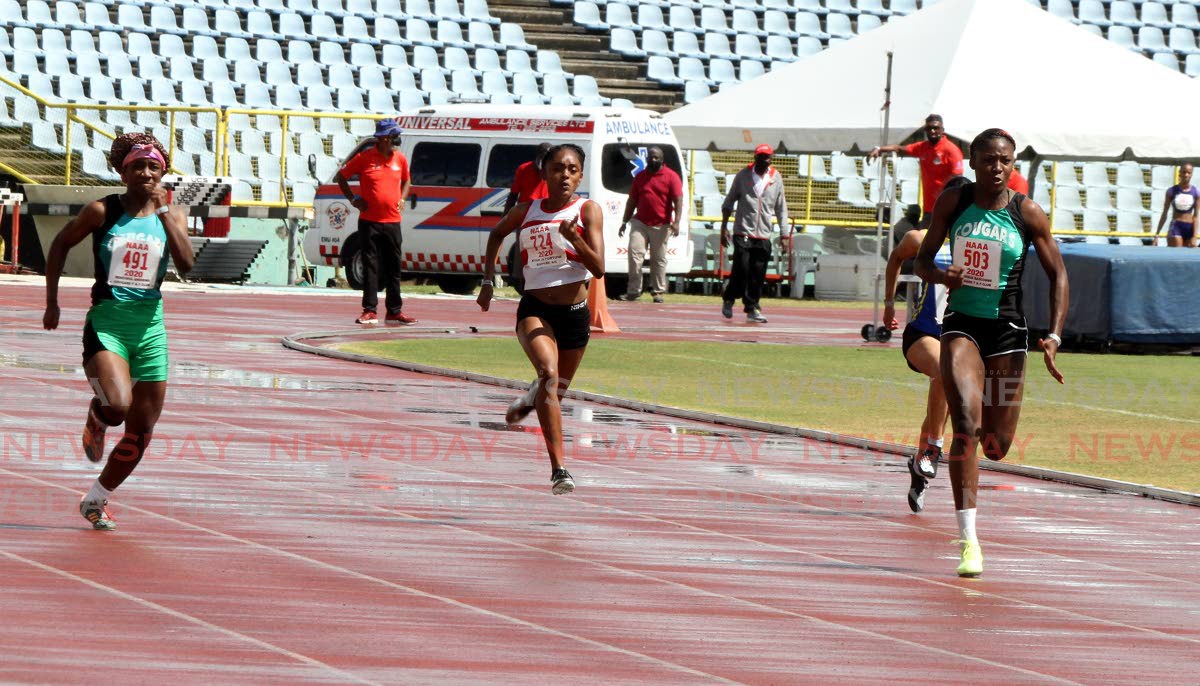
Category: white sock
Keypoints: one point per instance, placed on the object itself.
(966, 524)
(938, 442)
(97, 493)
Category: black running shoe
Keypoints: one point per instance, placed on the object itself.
(561, 482)
(916, 488)
(927, 463)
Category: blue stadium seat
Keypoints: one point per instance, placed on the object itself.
(745, 22)
(1129, 175)
(694, 91)
(512, 36)
(813, 6)
(866, 22)
(686, 44)
(1150, 39)
(1184, 14)
(692, 69)
(1067, 197)
(95, 15)
(1064, 220)
(1095, 174)
(662, 69)
(477, 10)
(1095, 220)
(464, 85)
(716, 45)
(180, 69)
(448, 10)
(1123, 13)
(1130, 200)
(1155, 14)
(449, 33)
(425, 57)
(1122, 36)
(517, 61)
(619, 15)
(780, 48)
(807, 45)
(488, 60)
(393, 56)
(656, 43)
(1167, 59)
(873, 7)
(227, 23)
(278, 74)
(555, 85)
(809, 24)
(402, 79)
(419, 9)
(776, 23)
(683, 19)
(494, 83)
(838, 26)
(747, 47)
(1062, 9)
(1092, 12)
(750, 69)
(1182, 40)
(548, 62)
(721, 71)
(587, 14)
(1191, 65)
(1098, 199)
(418, 32)
(524, 83)
(712, 20)
(1130, 221)
(480, 35)
(651, 17)
(330, 54)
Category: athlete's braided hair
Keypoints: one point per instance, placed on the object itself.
(555, 149)
(125, 142)
(991, 134)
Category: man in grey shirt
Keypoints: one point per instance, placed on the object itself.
(757, 191)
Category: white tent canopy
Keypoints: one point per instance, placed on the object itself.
(1063, 93)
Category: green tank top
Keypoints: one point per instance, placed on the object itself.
(990, 246)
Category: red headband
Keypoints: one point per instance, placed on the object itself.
(143, 151)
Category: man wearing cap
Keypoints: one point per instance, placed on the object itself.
(940, 160)
(656, 196)
(383, 183)
(757, 191)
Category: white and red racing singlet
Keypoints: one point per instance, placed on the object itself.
(548, 259)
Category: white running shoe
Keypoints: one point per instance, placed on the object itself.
(520, 408)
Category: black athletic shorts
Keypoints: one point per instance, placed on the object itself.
(911, 335)
(571, 324)
(993, 337)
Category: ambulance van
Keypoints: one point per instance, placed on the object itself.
(462, 159)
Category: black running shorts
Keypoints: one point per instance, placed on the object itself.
(993, 337)
(911, 335)
(571, 324)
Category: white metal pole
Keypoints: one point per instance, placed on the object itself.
(883, 139)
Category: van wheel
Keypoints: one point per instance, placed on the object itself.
(457, 285)
(514, 277)
(352, 261)
(351, 258)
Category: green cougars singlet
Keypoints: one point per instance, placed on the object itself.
(990, 246)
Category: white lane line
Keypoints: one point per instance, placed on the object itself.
(181, 615)
(328, 566)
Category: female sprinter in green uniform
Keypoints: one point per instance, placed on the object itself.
(561, 239)
(984, 337)
(124, 339)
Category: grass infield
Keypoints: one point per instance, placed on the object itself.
(1130, 418)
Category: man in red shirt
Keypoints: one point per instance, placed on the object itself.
(383, 184)
(940, 159)
(528, 184)
(1017, 183)
(657, 197)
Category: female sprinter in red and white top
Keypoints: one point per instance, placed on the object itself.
(561, 239)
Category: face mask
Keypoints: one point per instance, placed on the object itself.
(654, 165)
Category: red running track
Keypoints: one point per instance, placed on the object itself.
(305, 520)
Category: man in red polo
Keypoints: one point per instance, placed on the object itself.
(383, 183)
(657, 198)
(940, 159)
(528, 184)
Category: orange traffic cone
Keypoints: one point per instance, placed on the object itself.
(602, 321)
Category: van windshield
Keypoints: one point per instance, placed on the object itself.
(619, 161)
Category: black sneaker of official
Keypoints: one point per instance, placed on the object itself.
(561, 482)
(727, 309)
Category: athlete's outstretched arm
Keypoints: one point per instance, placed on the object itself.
(939, 227)
(590, 244)
(79, 228)
(510, 222)
(908, 248)
(1051, 259)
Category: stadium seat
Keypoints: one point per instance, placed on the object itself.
(512, 36)
(747, 47)
(1123, 13)
(903, 6)
(1184, 14)
(1129, 175)
(1191, 65)
(1122, 36)
(1092, 12)
(1162, 177)
(712, 20)
(650, 17)
(750, 69)
(721, 71)
(1167, 59)
(656, 43)
(866, 22)
(1095, 174)
(850, 190)
(809, 24)
(716, 45)
(1061, 9)
(624, 42)
(745, 23)
(686, 44)
(1067, 198)
(1182, 40)
(1130, 222)
(1130, 200)
(587, 15)
(694, 91)
(838, 26)
(1155, 14)
(1064, 220)
(477, 11)
(1098, 199)
(662, 69)
(682, 19)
